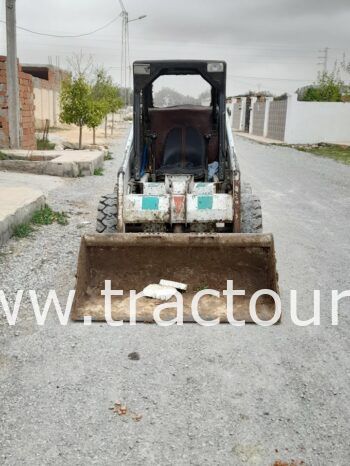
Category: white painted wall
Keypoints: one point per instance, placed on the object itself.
(46, 106)
(243, 112)
(313, 122)
(267, 113)
(252, 103)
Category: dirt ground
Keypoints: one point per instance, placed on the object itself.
(70, 133)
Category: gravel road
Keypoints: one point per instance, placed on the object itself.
(215, 396)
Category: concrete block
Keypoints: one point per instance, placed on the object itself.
(23, 166)
(21, 154)
(17, 205)
(59, 168)
(69, 163)
(87, 161)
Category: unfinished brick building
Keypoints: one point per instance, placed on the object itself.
(26, 95)
(47, 81)
(39, 90)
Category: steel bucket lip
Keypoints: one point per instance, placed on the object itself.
(176, 239)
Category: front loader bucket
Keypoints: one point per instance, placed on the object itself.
(203, 261)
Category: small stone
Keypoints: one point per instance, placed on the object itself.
(134, 356)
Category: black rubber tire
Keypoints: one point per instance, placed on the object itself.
(251, 214)
(107, 214)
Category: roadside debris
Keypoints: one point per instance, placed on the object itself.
(83, 224)
(159, 292)
(134, 356)
(291, 463)
(177, 285)
(122, 410)
(118, 408)
(164, 290)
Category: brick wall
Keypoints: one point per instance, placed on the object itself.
(26, 95)
(4, 129)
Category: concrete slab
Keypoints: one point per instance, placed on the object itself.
(42, 183)
(25, 166)
(17, 205)
(86, 160)
(33, 155)
(67, 163)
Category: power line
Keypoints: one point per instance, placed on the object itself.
(268, 77)
(68, 35)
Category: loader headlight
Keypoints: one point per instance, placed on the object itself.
(215, 67)
(142, 68)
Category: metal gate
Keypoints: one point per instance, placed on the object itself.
(277, 119)
(259, 118)
(236, 117)
(248, 109)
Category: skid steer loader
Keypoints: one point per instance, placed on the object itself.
(178, 212)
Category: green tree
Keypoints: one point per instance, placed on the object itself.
(105, 91)
(75, 101)
(97, 111)
(327, 89)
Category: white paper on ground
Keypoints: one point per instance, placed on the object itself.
(177, 285)
(159, 292)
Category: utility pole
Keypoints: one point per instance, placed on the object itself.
(12, 75)
(324, 59)
(125, 49)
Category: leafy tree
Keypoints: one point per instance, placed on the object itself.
(327, 89)
(75, 101)
(97, 111)
(105, 91)
(86, 103)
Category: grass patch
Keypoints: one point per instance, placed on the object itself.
(54, 129)
(108, 156)
(98, 172)
(44, 216)
(3, 156)
(44, 145)
(23, 230)
(332, 151)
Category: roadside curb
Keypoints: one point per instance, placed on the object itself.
(17, 205)
(66, 163)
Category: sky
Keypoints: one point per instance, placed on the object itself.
(274, 45)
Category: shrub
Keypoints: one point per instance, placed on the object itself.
(327, 89)
(41, 144)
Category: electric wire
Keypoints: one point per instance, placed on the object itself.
(67, 35)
